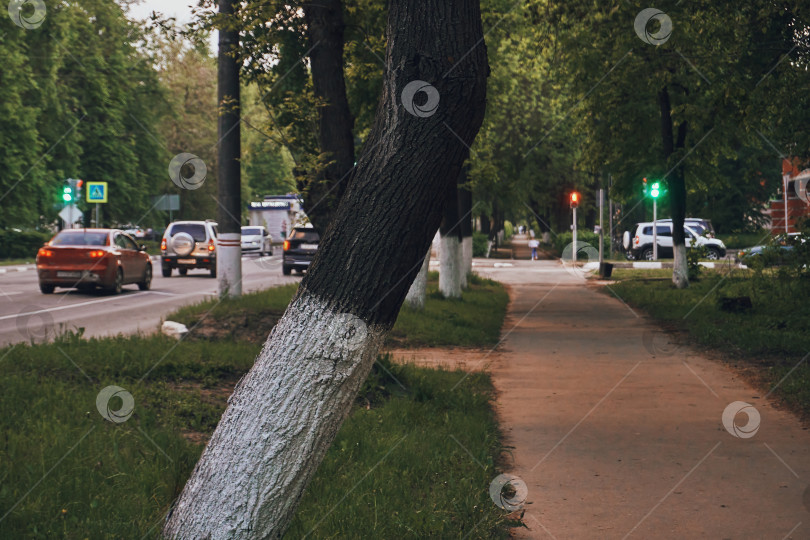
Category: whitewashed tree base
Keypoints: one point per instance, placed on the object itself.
(320, 358)
(229, 264)
(680, 268)
(466, 259)
(450, 266)
(417, 294)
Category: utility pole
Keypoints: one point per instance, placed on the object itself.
(229, 211)
(601, 230)
(574, 202)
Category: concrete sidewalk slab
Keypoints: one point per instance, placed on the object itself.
(618, 432)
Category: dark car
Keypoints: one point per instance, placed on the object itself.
(90, 258)
(299, 249)
(776, 252)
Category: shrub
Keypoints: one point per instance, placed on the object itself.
(21, 244)
(563, 239)
(479, 241)
(508, 229)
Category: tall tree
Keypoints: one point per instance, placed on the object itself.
(286, 411)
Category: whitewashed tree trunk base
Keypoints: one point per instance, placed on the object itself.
(417, 294)
(450, 266)
(680, 268)
(264, 452)
(229, 264)
(466, 259)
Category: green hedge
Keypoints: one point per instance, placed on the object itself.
(21, 244)
(563, 239)
(479, 241)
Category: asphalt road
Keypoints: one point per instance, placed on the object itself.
(28, 315)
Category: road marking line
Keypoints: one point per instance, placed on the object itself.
(3, 318)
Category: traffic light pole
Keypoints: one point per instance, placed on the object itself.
(655, 229)
(575, 234)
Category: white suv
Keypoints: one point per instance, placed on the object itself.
(641, 245)
(189, 245)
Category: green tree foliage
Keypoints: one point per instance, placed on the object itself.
(80, 91)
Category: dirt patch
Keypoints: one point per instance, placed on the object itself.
(450, 358)
(217, 394)
(243, 326)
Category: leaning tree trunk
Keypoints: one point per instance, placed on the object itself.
(229, 201)
(322, 193)
(417, 294)
(450, 261)
(465, 224)
(286, 410)
(677, 191)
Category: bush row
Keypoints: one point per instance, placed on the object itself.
(21, 244)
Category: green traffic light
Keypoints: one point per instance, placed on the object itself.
(67, 194)
(655, 191)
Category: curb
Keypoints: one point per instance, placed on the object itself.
(9, 269)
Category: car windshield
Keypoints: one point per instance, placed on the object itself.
(195, 230)
(307, 235)
(80, 238)
(251, 231)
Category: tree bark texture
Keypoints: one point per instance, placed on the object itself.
(324, 20)
(676, 187)
(229, 191)
(450, 260)
(417, 294)
(285, 412)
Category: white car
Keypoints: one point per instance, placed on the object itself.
(641, 245)
(256, 238)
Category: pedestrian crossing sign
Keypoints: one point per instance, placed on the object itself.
(96, 192)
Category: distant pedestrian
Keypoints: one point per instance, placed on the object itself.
(534, 244)
(284, 230)
(531, 233)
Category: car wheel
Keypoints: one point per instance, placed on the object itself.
(183, 271)
(147, 278)
(167, 271)
(118, 284)
(47, 288)
(286, 270)
(647, 254)
(713, 254)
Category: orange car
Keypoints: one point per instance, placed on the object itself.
(90, 258)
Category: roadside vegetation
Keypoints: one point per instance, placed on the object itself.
(756, 318)
(414, 458)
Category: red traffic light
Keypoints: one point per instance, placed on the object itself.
(574, 201)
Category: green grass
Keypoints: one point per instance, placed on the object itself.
(65, 472)
(13, 262)
(771, 338)
(473, 321)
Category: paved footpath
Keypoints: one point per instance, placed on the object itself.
(618, 433)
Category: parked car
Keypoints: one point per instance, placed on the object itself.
(640, 246)
(256, 238)
(701, 226)
(189, 245)
(134, 231)
(774, 253)
(90, 258)
(299, 249)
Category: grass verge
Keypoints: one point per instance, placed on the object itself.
(769, 340)
(414, 459)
